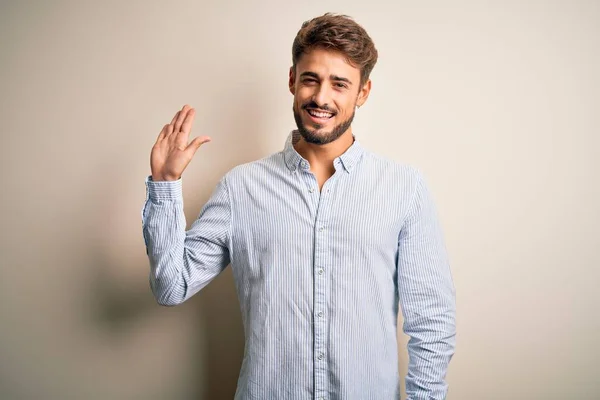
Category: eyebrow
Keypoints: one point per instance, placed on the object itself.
(332, 77)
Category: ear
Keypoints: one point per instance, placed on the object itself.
(363, 93)
(292, 81)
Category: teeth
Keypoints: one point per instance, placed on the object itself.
(320, 114)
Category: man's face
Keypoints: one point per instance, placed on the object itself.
(326, 91)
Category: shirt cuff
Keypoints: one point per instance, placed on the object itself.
(164, 190)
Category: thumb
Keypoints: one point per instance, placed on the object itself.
(196, 143)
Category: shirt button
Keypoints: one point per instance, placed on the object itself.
(320, 271)
(320, 356)
(321, 229)
(320, 314)
(311, 190)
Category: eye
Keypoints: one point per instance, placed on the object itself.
(340, 85)
(309, 81)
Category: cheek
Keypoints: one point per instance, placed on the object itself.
(342, 111)
(297, 103)
(343, 103)
(302, 95)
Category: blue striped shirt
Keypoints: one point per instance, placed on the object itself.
(320, 274)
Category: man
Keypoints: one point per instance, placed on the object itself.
(325, 240)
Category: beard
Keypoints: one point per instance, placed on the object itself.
(316, 136)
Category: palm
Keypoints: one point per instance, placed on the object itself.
(171, 153)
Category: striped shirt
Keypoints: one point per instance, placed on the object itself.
(320, 274)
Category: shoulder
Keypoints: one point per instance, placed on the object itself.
(257, 169)
(395, 170)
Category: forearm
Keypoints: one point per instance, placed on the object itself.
(163, 225)
(183, 262)
(430, 349)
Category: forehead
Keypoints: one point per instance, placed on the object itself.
(326, 62)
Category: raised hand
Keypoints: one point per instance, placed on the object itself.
(171, 153)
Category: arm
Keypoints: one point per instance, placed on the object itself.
(182, 263)
(427, 297)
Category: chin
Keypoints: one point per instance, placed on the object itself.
(316, 136)
(317, 133)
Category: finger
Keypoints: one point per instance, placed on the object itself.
(175, 117)
(163, 133)
(186, 127)
(196, 143)
(171, 128)
(182, 137)
(168, 129)
(181, 118)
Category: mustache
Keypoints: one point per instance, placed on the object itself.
(313, 105)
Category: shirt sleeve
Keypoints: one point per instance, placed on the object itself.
(427, 297)
(183, 262)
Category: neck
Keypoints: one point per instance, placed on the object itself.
(322, 156)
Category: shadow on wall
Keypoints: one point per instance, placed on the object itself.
(116, 305)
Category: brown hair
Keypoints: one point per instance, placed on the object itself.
(339, 33)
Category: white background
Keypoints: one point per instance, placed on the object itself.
(496, 102)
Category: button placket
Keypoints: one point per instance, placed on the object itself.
(322, 251)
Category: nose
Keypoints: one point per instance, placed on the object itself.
(322, 96)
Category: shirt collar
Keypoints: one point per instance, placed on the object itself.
(294, 160)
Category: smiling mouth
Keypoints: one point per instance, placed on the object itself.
(319, 115)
